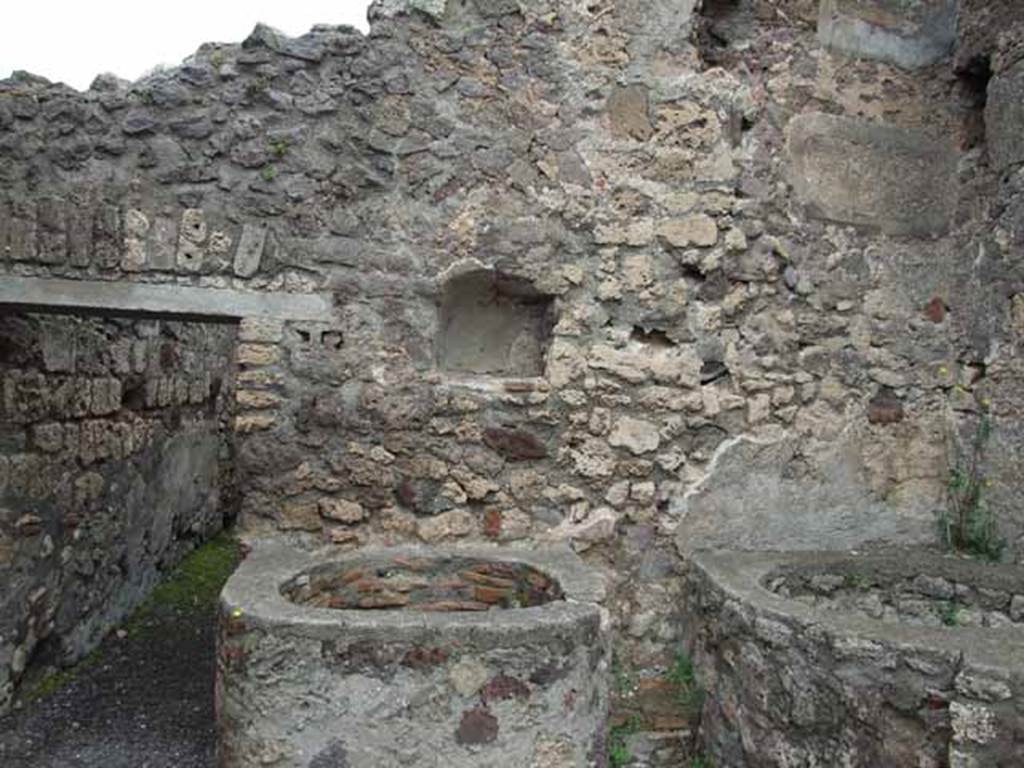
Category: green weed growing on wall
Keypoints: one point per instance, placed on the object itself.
(968, 525)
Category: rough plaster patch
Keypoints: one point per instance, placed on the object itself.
(853, 171)
(779, 494)
(908, 33)
(1004, 114)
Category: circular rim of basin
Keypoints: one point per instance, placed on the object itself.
(420, 569)
(741, 576)
(253, 594)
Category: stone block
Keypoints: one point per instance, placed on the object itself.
(28, 477)
(51, 233)
(698, 229)
(855, 172)
(260, 330)
(88, 488)
(152, 393)
(254, 422)
(79, 234)
(6, 220)
(636, 435)
(162, 251)
(300, 516)
(106, 396)
(1004, 118)
(885, 408)
(635, 232)
(256, 399)
(1017, 608)
(165, 392)
(181, 390)
(58, 347)
(258, 379)
(250, 250)
(342, 511)
(106, 236)
(136, 230)
(135, 297)
(20, 243)
(449, 525)
(191, 236)
(907, 33)
(25, 398)
(77, 396)
(97, 441)
(72, 435)
(596, 527)
(48, 438)
(258, 354)
(199, 389)
(8, 549)
(514, 444)
(629, 113)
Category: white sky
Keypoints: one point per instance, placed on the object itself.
(75, 40)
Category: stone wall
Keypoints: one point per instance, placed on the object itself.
(743, 278)
(113, 464)
(798, 682)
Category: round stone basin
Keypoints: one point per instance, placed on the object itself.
(432, 584)
(900, 658)
(412, 657)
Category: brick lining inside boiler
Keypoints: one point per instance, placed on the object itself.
(425, 584)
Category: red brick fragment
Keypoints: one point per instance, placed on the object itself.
(514, 445)
(504, 687)
(492, 523)
(424, 658)
(491, 595)
(936, 310)
(447, 606)
(885, 408)
(478, 726)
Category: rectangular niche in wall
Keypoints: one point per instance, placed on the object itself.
(493, 323)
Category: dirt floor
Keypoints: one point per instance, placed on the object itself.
(144, 700)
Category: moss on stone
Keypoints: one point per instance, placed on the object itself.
(688, 691)
(55, 681)
(193, 585)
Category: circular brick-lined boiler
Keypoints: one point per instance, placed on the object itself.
(891, 659)
(412, 657)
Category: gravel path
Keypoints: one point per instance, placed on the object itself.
(146, 703)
